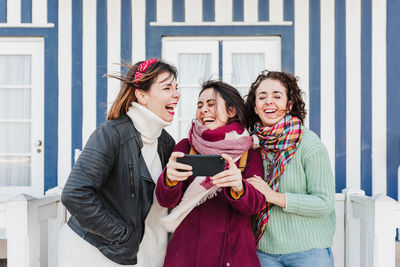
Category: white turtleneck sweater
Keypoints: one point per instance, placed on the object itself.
(154, 244)
(75, 251)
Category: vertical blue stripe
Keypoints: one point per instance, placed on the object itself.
(3, 11)
(288, 10)
(366, 97)
(288, 39)
(126, 34)
(393, 97)
(238, 10)
(220, 60)
(126, 31)
(340, 95)
(315, 67)
(26, 11)
(263, 10)
(101, 61)
(51, 99)
(76, 95)
(153, 41)
(208, 10)
(178, 10)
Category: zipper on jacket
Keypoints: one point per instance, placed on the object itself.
(132, 184)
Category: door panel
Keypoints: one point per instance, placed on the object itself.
(21, 116)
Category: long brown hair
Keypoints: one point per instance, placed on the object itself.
(292, 89)
(126, 94)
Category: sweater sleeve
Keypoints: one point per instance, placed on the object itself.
(168, 196)
(320, 197)
(252, 201)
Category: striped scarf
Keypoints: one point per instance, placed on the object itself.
(278, 145)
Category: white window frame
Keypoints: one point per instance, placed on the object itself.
(173, 46)
(33, 46)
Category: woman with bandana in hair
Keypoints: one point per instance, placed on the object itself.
(297, 225)
(109, 192)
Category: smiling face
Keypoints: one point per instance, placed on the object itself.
(162, 98)
(271, 103)
(211, 110)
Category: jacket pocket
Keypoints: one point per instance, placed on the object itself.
(131, 181)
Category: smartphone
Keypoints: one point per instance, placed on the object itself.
(203, 165)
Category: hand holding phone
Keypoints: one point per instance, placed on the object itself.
(229, 178)
(173, 168)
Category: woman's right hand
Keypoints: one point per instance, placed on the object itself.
(177, 171)
(271, 196)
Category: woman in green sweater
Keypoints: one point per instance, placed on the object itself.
(297, 225)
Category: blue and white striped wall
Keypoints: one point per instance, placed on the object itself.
(345, 52)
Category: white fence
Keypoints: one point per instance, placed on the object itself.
(365, 229)
(32, 227)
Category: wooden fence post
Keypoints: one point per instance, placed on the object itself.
(383, 224)
(23, 233)
(352, 230)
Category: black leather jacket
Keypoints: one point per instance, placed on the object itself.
(109, 191)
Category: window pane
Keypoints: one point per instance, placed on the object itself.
(194, 69)
(15, 103)
(15, 70)
(246, 67)
(15, 137)
(15, 171)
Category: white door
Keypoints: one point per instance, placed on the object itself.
(198, 59)
(21, 116)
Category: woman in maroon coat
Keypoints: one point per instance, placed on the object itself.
(212, 215)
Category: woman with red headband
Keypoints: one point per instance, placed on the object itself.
(109, 192)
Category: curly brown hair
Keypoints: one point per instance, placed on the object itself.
(293, 91)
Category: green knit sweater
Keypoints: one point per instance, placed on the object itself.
(309, 219)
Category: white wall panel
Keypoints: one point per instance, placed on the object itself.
(353, 93)
(114, 48)
(301, 50)
(379, 96)
(13, 11)
(39, 12)
(139, 30)
(276, 10)
(328, 78)
(164, 10)
(64, 89)
(250, 10)
(88, 69)
(193, 10)
(223, 10)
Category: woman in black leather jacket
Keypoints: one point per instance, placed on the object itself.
(109, 192)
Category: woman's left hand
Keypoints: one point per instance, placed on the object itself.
(229, 178)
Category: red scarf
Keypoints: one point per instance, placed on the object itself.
(231, 139)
